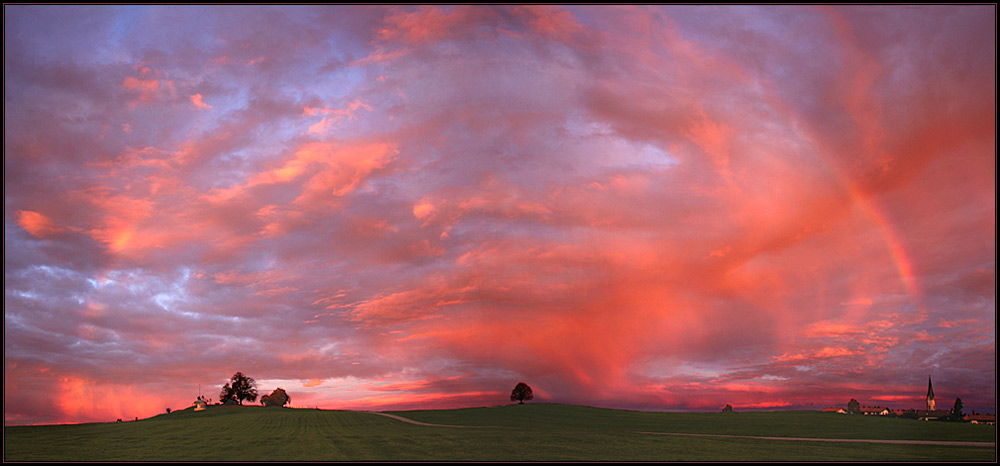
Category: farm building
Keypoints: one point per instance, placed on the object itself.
(990, 419)
(875, 411)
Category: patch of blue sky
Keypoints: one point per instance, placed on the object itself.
(23, 294)
(56, 33)
(156, 26)
(55, 272)
(120, 45)
(702, 24)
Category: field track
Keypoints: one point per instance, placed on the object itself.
(798, 439)
(418, 423)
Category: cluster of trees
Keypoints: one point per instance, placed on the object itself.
(242, 388)
(239, 388)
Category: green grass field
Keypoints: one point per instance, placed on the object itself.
(540, 432)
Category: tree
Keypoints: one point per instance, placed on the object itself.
(226, 394)
(728, 408)
(242, 388)
(956, 412)
(521, 392)
(853, 407)
(277, 398)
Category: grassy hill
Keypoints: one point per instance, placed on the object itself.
(527, 432)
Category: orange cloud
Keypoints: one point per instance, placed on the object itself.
(36, 224)
(196, 99)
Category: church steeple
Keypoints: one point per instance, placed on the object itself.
(930, 395)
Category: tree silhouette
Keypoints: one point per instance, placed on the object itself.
(226, 394)
(521, 392)
(242, 388)
(956, 412)
(277, 398)
(728, 408)
(853, 407)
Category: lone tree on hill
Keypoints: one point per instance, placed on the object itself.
(277, 398)
(242, 388)
(956, 412)
(853, 407)
(728, 408)
(521, 392)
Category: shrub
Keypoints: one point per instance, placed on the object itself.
(277, 398)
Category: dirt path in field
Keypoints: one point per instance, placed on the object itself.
(796, 439)
(411, 421)
(856, 440)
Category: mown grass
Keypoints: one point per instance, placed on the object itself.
(812, 424)
(535, 432)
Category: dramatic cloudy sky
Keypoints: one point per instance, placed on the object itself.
(663, 208)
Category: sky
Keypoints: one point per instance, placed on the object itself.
(667, 208)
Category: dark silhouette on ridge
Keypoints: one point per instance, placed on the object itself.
(242, 388)
(521, 392)
(277, 398)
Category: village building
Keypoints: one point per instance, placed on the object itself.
(989, 419)
(931, 413)
(875, 411)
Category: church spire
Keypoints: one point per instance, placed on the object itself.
(930, 395)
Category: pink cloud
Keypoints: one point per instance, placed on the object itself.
(37, 224)
(196, 99)
(428, 23)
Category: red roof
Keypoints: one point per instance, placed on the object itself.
(872, 409)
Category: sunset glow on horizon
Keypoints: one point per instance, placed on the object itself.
(667, 208)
